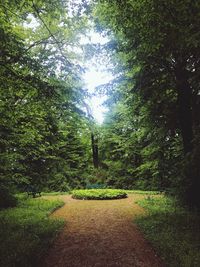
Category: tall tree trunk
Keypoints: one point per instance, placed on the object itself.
(95, 151)
(196, 113)
(184, 108)
(191, 182)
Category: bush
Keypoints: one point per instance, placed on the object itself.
(6, 198)
(99, 194)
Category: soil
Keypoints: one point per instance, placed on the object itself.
(100, 233)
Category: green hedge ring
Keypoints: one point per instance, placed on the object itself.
(98, 194)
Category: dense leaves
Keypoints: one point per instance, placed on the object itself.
(154, 124)
(41, 125)
(150, 137)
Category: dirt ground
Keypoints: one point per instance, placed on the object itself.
(100, 234)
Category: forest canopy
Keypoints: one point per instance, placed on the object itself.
(150, 136)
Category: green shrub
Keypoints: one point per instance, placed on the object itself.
(99, 194)
(6, 198)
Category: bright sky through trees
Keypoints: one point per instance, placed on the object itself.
(96, 74)
(94, 78)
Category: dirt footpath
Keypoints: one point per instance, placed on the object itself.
(100, 234)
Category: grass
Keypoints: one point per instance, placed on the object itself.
(55, 193)
(142, 192)
(24, 195)
(173, 231)
(99, 194)
(26, 231)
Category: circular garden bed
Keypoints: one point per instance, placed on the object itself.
(98, 194)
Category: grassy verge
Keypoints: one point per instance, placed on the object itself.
(55, 193)
(24, 195)
(26, 231)
(142, 192)
(173, 231)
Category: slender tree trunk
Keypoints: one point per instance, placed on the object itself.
(95, 151)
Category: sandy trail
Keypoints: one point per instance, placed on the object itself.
(100, 234)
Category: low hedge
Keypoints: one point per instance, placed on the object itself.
(98, 194)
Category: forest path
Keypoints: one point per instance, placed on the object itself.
(100, 233)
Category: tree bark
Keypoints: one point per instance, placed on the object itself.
(184, 108)
(95, 151)
(191, 181)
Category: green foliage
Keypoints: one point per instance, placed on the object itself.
(99, 194)
(172, 230)
(154, 101)
(6, 198)
(26, 231)
(42, 127)
(150, 138)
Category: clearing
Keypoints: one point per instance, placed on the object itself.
(100, 233)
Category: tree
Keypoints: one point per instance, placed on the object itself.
(160, 40)
(41, 90)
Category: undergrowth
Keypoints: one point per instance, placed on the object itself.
(174, 231)
(26, 231)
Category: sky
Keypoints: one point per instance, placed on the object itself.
(95, 75)
(94, 78)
